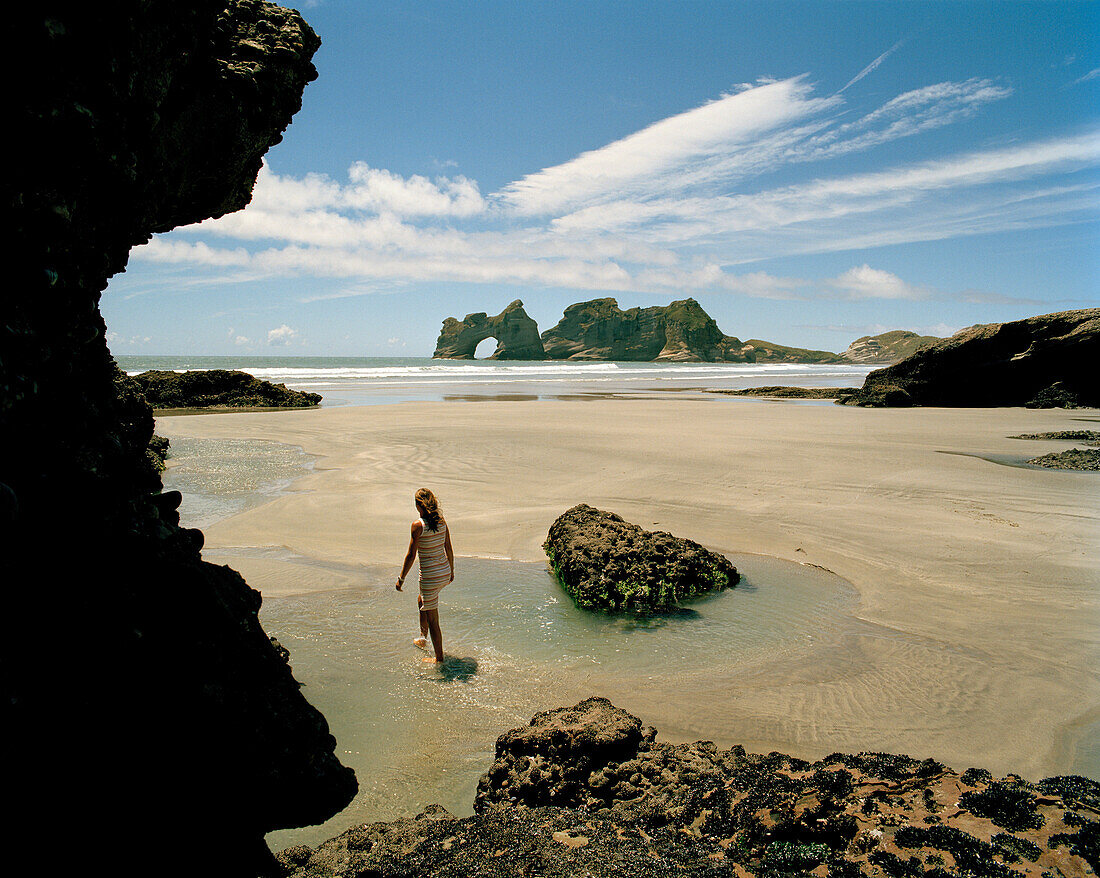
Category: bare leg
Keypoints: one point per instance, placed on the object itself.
(437, 635)
(422, 640)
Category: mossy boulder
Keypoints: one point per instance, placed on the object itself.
(607, 563)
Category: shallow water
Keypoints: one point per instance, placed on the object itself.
(386, 380)
(516, 644)
(221, 477)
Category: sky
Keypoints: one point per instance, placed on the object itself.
(809, 172)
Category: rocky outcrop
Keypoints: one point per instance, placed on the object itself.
(218, 388)
(606, 563)
(681, 331)
(516, 333)
(888, 347)
(586, 790)
(1073, 458)
(1047, 360)
(770, 352)
(141, 701)
(777, 391)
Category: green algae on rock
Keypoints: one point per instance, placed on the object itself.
(607, 563)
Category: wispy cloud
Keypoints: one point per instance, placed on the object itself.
(674, 208)
(719, 140)
(873, 66)
(1088, 77)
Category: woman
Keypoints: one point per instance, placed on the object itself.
(432, 540)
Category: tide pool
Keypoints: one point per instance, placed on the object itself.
(417, 733)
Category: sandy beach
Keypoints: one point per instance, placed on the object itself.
(977, 581)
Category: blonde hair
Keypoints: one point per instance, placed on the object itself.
(432, 515)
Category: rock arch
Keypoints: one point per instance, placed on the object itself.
(516, 333)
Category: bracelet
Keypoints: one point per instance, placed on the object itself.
(401, 580)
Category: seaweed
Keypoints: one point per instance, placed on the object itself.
(1074, 790)
(1013, 849)
(972, 855)
(1009, 804)
(1085, 843)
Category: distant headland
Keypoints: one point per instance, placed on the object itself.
(678, 332)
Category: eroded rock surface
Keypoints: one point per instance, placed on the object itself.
(1042, 361)
(142, 703)
(607, 563)
(218, 388)
(585, 790)
(887, 347)
(516, 333)
(600, 330)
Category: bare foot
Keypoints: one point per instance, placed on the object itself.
(422, 642)
(434, 661)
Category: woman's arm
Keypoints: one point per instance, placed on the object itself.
(450, 552)
(414, 540)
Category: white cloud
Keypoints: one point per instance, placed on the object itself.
(864, 282)
(715, 140)
(281, 335)
(672, 209)
(242, 340)
(383, 191)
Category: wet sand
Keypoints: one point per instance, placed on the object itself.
(979, 581)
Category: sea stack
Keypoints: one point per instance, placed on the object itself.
(516, 333)
(679, 332)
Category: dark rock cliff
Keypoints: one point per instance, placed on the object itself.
(142, 703)
(680, 331)
(1043, 361)
(516, 333)
(586, 790)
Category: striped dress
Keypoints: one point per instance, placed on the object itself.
(435, 569)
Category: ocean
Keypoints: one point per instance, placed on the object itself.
(385, 380)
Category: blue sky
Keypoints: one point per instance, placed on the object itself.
(809, 172)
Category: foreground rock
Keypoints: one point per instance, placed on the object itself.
(587, 790)
(606, 563)
(1041, 361)
(516, 333)
(218, 388)
(147, 717)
